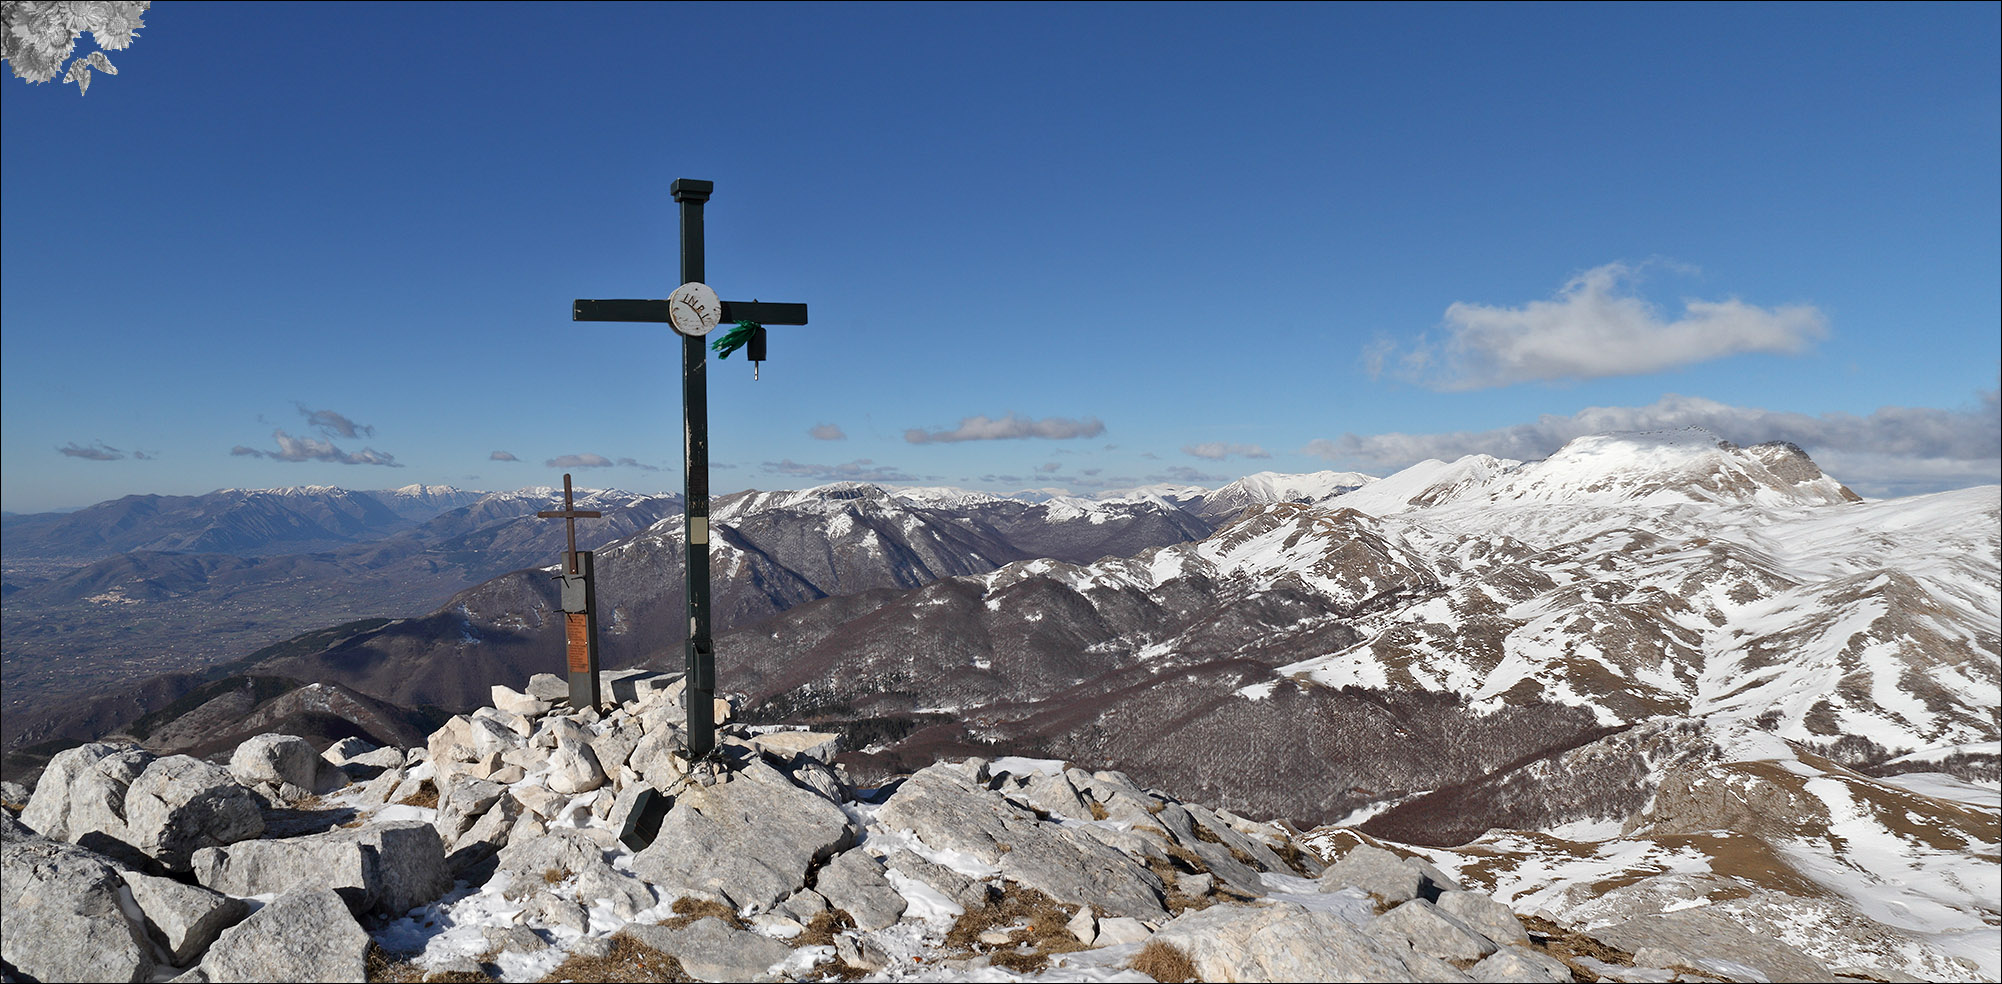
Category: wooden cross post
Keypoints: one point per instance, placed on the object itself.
(579, 602)
(694, 310)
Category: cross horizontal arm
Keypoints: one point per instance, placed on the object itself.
(761, 312)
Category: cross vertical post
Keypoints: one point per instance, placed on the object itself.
(694, 310)
(578, 596)
(699, 652)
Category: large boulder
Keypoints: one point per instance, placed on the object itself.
(299, 936)
(533, 862)
(48, 810)
(60, 917)
(950, 811)
(749, 841)
(182, 804)
(1690, 937)
(387, 868)
(276, 759)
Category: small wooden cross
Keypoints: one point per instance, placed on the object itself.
(569, 514)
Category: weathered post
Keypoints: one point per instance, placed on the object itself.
(694, 311)
(578, 599)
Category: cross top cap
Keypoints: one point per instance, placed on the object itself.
(692, 190)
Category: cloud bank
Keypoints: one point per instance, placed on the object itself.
(1595, 327)
(1218, 450)
(313, 449)
(1008, 428)
(502, 456)
(1891, 451)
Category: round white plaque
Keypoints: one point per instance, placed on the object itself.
(694, 310)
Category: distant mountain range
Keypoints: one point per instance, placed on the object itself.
(1650, 672)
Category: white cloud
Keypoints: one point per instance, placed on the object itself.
(1595, 327)
(826, 432)
(585, 460)
(1008, 428)
(502, 456)
(1218, 450)
(1892, 451)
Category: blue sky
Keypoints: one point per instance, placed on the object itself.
(1044, 246)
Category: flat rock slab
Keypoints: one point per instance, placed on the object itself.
(1280, 942)
(711, 951)
(749, 841)
(60, 917)
(945, 807)
(299, 936)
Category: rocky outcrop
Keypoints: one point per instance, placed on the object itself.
(299, 936)
(382, 867)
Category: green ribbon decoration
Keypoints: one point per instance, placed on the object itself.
(734, 339)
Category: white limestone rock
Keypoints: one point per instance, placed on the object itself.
(574, 768)
(1280, 942)
(61, 917)
(1432, 932)
(1483, 914)
(788, 746)
(515, 702)
(750, 840)
(386, 868)
(711, 951)
(854, 881)
(299, 936)
(183, 919)
(276, 759)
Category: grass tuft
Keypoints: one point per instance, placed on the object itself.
(687, 911)
(1164, 962)
(630, 960)
(426, 796)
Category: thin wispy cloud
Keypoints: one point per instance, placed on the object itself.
(502, 456)
(1008, 428)
(96, 451)
(1595, 327)
(595, 461)
(826, 432)
(1048, 467)
(334, 424)
(859, 470)
(1218, 450)
(313, 449)
(1192, 476)
(1892, 450)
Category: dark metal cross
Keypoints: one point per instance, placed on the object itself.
(699, 650)
(569, 514)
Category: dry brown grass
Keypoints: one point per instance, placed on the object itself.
(380, 966)
(822, 930)
(1029, 917)
(1295, 858)
(1098, 811)
(630, 960)
(1164, 962)
(426, 796)
(687, 911)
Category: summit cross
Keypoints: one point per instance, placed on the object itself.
(694, 310)
(569, 514)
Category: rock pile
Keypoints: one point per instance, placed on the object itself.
(498, 848)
